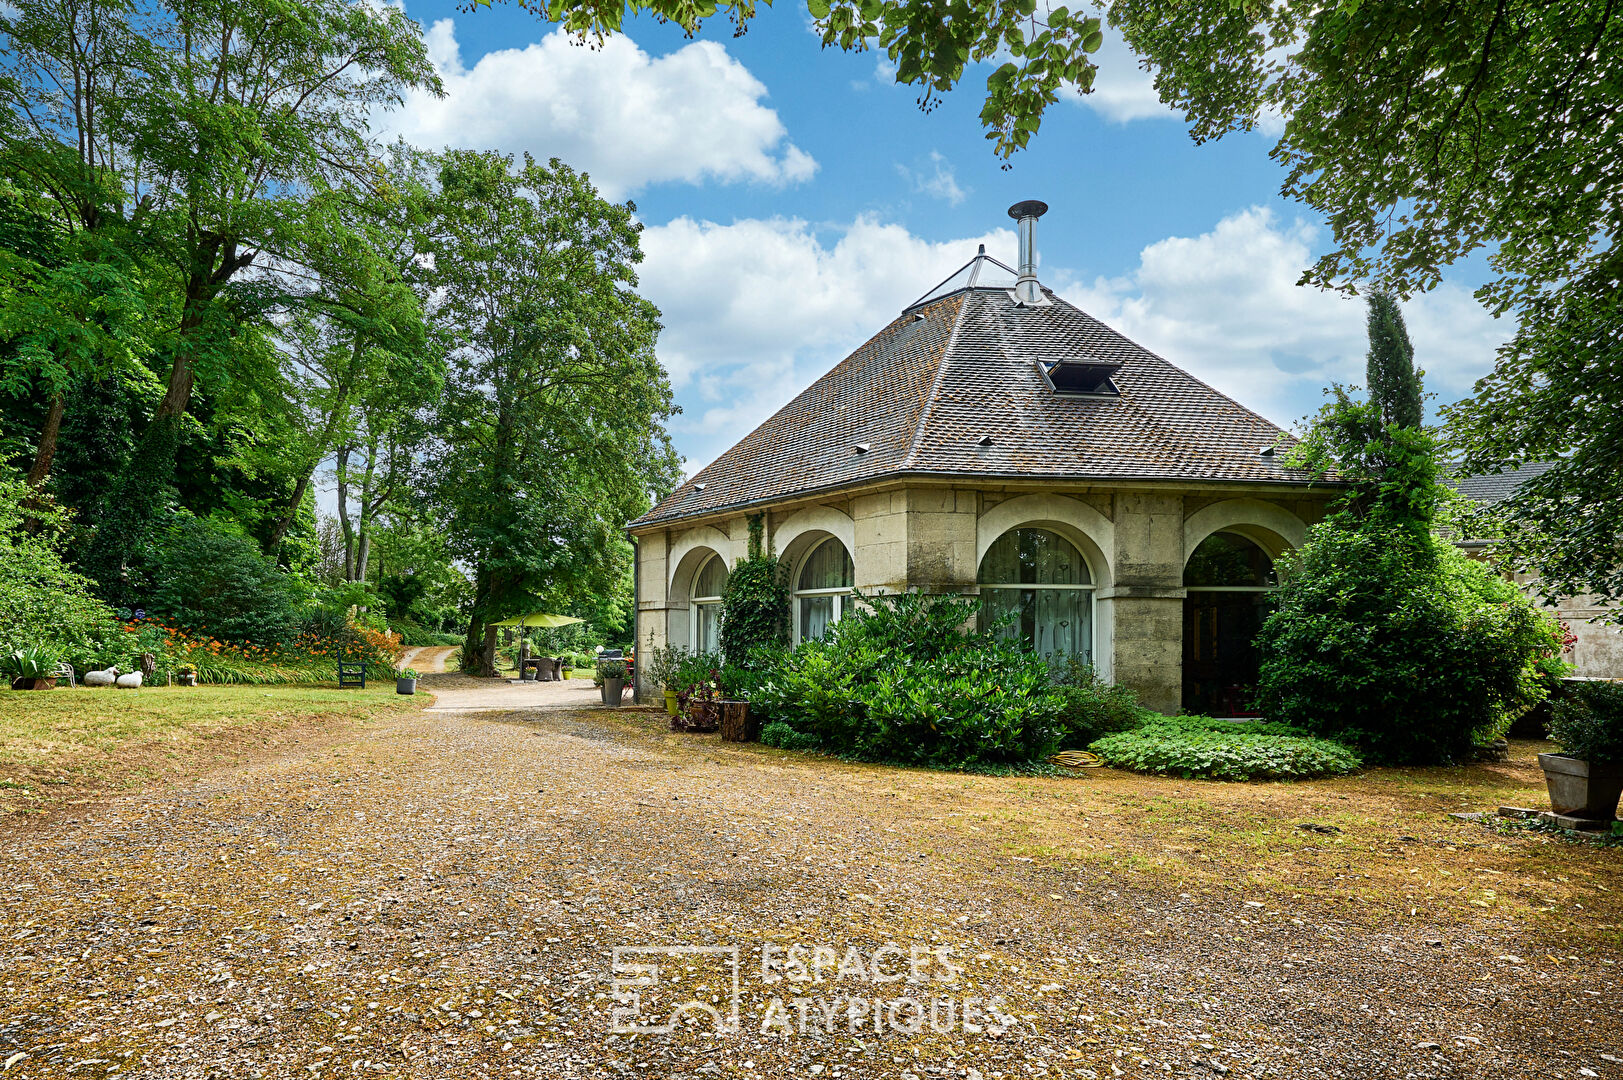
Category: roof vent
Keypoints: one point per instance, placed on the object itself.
(698, 487)
(984, 440)
(1089, 378)
(863, 448)
(1026, 289)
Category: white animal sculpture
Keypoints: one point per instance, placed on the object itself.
(101, 678)
(132, 681)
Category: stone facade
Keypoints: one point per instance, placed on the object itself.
(932, 536)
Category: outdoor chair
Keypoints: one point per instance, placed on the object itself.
(351, 675)
(64, 670)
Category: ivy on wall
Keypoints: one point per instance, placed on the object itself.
(755, 603)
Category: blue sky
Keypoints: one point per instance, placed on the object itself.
(795, 199)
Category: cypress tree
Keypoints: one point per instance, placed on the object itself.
(1394, 384)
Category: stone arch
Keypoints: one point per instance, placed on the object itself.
(801, 531)
(1271, 526)
(689, 552)
(1092, 532)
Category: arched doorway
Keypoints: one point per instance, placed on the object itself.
(1040, 579)
(1227, 582)
(822, 589)
(709, 584)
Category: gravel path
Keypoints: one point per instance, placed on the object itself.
(441, 895)
(427, 659)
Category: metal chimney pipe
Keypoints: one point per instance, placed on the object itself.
(1026, 289)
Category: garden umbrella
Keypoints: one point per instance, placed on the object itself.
(540, 618)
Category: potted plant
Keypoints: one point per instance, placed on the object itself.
(406, 682)
(31, 669)
(664, 667)
(1586, 778)
(186, 675)
(613, 674)
(567, 668)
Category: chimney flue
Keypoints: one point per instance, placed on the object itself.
(1026, 289)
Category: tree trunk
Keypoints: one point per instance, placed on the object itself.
(47, 450)
(341, 470)
(285, 522)
(364, 548)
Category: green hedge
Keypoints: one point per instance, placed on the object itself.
(1201, 747)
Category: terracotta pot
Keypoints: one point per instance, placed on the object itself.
(44, 684)
(1579, 789)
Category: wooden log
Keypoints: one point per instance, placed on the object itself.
(735, 725)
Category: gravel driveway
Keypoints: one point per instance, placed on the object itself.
(442, 895)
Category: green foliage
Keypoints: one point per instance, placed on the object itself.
(415, 634)
(1198, 746)
(660, 665)
(613, 668)
(1400, 645)
(1090, 708)
(785, 737)
(35, 662)
(1588, 722)
(900, 680)
(42, 602)
(207, 579)
(1394, 384)
(755, 605)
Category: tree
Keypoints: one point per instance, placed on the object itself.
(550, 432)
(1383, 634)
(243, 109)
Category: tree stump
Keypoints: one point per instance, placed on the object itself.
(735, 721)
(149, 665)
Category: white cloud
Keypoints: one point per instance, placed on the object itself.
(627, 118)
(756, 310)
(940, 180)
(1122, 90)
(1225, 307)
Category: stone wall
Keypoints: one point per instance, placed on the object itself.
(932, 537)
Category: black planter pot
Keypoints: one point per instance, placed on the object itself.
(1579, 789)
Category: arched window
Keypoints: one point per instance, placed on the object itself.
(1225, 561)
(708, 585)
(1041, 578)
(825, 580)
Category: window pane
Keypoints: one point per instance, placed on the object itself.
(712, 580)
(828, 568)
(816, 614)
(1054, 622)
(709, 627)
(1226, 558)
(1033, 557)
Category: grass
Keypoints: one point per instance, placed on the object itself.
(68, 745)
(1390, 855)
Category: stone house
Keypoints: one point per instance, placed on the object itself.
(994, 439)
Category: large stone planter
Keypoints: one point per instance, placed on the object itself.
(1581, 790)
(613, 691)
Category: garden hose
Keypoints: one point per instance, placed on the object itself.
(1076, 759)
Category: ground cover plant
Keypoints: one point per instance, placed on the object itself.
(1211, 749)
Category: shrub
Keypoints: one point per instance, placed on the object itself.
(1588, 722)
(899, 680)
(1197, 746)
(1090, 708)
(1400, 645)
(755, 601)
(42, 602)
(37, 662)
(212, 581)
(660, 663)
(612, 668)
(785, 737)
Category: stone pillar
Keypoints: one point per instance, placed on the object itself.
(941, 539)
(881, 533)
(653, 605)
(1145, 602)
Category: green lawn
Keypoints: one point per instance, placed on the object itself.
(68, 744)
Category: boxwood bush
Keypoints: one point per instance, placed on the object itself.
(1199, 746)
(1588, 722)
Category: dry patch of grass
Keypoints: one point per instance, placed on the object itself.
(67, 745)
